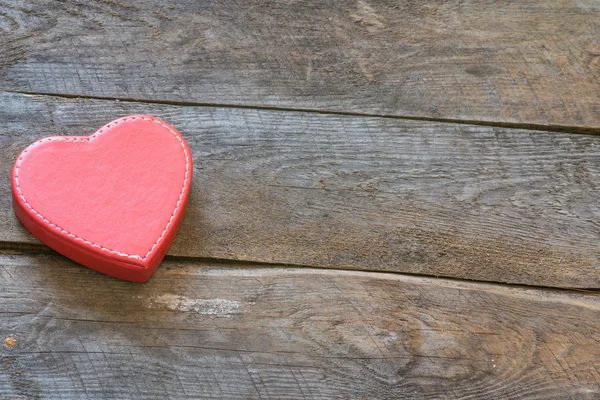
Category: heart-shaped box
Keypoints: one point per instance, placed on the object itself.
(112, 201)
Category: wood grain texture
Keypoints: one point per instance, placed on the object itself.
(214, 331)
(527, 62)
(362, 193)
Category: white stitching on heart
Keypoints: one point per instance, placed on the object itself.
(87, 139)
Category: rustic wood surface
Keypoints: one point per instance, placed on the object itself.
(452, 200)
(218, 331)
(340, 148)
(523, 62)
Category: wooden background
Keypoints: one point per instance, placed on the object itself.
(391, 200)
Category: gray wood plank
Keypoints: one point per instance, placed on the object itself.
(526, 62)
(218, 331)
(457, 200)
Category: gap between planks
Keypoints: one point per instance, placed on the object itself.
(508, 125)
(18, 248)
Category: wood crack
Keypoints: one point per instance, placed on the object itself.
(214, 262)
(509, 125)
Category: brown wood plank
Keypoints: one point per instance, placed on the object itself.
(215, 331)
(456, 200)
(526, 62)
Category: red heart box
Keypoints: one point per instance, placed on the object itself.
(113, 201)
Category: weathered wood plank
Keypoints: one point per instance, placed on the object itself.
(214, 331)
(368, 193)
(525, 61)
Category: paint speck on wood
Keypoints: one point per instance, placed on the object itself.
(217, 307)
(9, 342)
